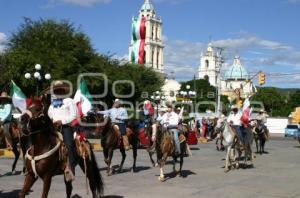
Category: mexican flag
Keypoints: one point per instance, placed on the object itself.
(246, 113)
(18, 97)
(138, 37)
(83, 99)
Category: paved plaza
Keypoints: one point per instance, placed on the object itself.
(275, 175)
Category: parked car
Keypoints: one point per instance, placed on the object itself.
(291, 130)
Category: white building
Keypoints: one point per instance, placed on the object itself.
(236, 78)
(152, 45)
(170, 89)
(209, 65)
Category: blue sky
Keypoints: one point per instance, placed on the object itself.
(265, 33)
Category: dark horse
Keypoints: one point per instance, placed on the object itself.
(165, 147)
(110, 140)
(47, 156)
(19, 134)
(260, 136)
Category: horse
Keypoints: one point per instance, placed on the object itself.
(218, 131)
(47, 156)
(260, 136)
(111, 140)
(234, 147)
(165, 147)
(17, 137)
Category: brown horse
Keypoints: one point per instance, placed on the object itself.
(165, 147)
(47, 156)
(110, 140)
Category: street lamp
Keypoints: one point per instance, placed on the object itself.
(38, 77)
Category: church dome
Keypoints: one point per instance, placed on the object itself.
(236, 71)
(147, 6)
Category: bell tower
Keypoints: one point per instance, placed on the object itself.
(146, 46)
(209, 66)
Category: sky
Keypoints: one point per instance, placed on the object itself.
(264, 33)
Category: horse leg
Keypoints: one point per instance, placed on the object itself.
(109, 159)
(29, 181)
(227, 158)
(217, 141)
(134, 152)
(46, 185)
(256, 143)
(174, 164)
(263, 145)
(260, 144)
(16, 153)
(123, 152)
(161, 165)
(69, 187)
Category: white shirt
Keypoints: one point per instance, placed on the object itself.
(117, 115)
(66, 113)
(171, 118)
(235, 118)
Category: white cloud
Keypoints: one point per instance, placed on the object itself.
(3, 40)
(85, 3)
(182, 57)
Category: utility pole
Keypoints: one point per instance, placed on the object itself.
(219, 61)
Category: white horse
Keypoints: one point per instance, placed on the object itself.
(234, 148)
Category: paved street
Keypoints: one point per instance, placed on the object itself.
(274, 175)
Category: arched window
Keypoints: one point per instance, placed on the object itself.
(144, 58)
(206, 77)
(206, 64)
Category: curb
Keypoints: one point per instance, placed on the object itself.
(4, 153)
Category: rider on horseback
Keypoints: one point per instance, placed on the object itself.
(6, 117)
(118, 117)
(171, 119)
(262, 120)
(63, 111)
(235, 120)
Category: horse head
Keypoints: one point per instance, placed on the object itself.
(38, 118)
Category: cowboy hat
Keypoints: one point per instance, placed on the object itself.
(5, 98)
(234, 107)
(62, 86)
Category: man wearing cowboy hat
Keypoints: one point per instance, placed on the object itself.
(6, 117)
(171, 120)
(63, 111)
(235, 121)
(118, 117)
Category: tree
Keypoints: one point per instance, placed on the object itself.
(274, 102)
(294, 100)
(65, 51)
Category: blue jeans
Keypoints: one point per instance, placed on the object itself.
(175, 133)
(240, 132)
(122, 127)
(67, 133)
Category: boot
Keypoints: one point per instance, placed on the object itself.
(125, 142)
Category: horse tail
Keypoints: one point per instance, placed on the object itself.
(99, 184)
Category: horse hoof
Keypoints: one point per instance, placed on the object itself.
(134, 170)
(162, 179)
(226, 170)
(13, 172)
(156, 165)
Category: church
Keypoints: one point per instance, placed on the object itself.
(146, 46)
(235, 79)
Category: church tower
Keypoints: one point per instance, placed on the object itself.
(209, 66)
(146, 46)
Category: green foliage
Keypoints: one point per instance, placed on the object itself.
(276, 104)
(65, 52)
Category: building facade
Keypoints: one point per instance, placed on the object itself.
(146, 46)
(233, 80)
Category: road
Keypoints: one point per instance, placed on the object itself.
(275, 175)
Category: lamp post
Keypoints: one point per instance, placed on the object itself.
(38, 77)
